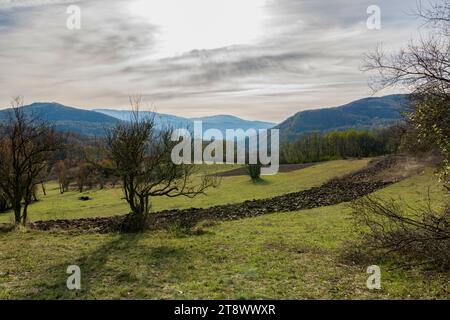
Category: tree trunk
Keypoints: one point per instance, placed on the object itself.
(25, 215)
(17, 211)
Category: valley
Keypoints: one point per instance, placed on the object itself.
(250, 258)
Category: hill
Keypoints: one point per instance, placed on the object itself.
(368, 113)
(364, 114)
(221, 122)
(292, 252)
(161, 119)
(67, 119)
(94, 122)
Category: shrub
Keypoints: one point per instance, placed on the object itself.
(254, 171)
(416, 235)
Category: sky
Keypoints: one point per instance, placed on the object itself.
(257, 59)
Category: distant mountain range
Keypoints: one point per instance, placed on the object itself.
(221, 122)
(94, 122)
(68, 119)
(367, 114)
(364, 114)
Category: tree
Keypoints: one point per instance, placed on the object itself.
(254, 171)
(314, 147)
(101, 168)
(61, 173)
(4, 202)
(141, 157)
(63, 176)
(83, 176)
(26, 145)
(424, 67)
(419, 234)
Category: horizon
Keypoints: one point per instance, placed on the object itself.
(275, 59)
(200, 116)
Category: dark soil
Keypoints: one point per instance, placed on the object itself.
(378, 174)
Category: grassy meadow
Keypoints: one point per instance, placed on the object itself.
(234, 189)
(295, 255)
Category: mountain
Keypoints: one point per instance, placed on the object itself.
(221, 122)
(67, 118)
(368, 113)
(364, 114)
(161, 119)
(94, 122)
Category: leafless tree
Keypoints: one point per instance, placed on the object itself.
(141, 157)
(422, 234)
(423, 67)
(61, 171)
(26, 145)
(436, 15)
(4, 202)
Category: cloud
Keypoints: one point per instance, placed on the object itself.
(307, 55)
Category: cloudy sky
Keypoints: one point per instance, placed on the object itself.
(258, 59)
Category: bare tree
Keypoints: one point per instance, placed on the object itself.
(4, 201)
(43, 176)
(141, 157)
(423, 67)
(417, 233)
(436, 15)
(62, 174)
(26, 145)
(101, 168)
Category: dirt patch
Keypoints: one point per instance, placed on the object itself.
(283, 168)
(376, 175)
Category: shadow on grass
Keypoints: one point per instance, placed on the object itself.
(110, 269)
(363, 254)
(260, 181)
(6, 227)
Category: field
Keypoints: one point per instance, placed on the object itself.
(230, 190)
(296, 255)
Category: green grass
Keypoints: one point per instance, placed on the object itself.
(231, 190)
(277, 256)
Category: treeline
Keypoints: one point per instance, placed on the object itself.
(75, 164)
(315, 147)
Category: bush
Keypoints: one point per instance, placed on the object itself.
(254, 171)
(419, 236)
